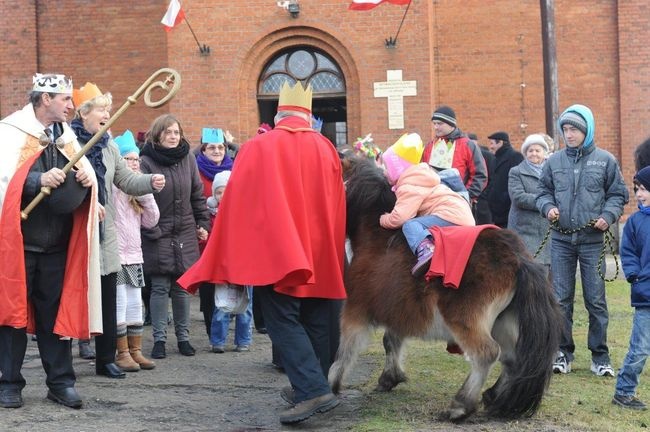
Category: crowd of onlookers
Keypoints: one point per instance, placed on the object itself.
(135, 215)
(576, 192)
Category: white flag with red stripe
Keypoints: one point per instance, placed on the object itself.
(173, 16)
(370, 4)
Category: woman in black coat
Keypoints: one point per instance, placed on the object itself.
(172, 247)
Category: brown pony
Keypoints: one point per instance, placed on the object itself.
(503, 310)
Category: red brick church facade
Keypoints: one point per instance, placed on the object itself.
(483, 58)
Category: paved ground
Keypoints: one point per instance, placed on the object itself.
(224, 392)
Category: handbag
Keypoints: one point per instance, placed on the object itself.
(231, 298)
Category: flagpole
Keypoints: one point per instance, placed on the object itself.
(390, 42)
(204, 50)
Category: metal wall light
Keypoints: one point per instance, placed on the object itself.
(294, 8)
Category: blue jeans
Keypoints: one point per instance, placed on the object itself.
(628, 375)
(564, 259)
(221, 321)
(417, 229)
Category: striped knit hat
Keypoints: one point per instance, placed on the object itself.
(445, 114)
(574, 119)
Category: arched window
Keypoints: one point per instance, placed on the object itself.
(312, 67)
(306, 65)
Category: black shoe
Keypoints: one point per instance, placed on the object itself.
(66, 396)
(262, 330)
(158, 351)
(631, 402)
(86, 352)
(110, 370)
(186, 349)
(11, 398)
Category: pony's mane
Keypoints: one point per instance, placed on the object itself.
(368, 193)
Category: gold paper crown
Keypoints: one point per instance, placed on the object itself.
(85, 93)
(295, 98)
(409, 147)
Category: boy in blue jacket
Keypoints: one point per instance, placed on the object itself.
(635, 256)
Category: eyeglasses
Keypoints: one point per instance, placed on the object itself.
(213, 147)
(132, 159)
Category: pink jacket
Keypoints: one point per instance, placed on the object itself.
(419, 192)
(128, 222)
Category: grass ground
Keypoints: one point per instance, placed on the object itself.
(577, 401)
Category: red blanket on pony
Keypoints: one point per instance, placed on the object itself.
(453, 245)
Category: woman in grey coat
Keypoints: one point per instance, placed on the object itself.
(523, 179)
(172, 247)
(93, 111)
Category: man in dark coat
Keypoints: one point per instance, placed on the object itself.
(505, 157)
(481, 209)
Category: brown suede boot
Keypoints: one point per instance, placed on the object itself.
(135, 348)
(124, 360)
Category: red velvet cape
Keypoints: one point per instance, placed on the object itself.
(282, 217)
(16, 311)
(453, 246)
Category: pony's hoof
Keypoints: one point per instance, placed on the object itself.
(458, 412)
(457, 415)
(383, 389)
(387, 382)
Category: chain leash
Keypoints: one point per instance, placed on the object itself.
(608, 237)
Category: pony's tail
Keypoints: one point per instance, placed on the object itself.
(526, 377)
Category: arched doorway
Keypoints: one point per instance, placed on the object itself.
(313, 67)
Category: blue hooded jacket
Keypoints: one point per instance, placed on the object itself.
(635, 257)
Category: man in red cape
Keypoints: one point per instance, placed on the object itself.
(281, 228)
(49, 280)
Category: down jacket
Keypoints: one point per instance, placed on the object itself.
(635, 257)
(128, 223)
(172, 246)
(419, 192)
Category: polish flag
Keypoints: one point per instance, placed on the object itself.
(370, 4)
(173, 16)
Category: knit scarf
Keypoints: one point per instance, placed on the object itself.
(537, 168)
(166, 156)
(94, 155)
(208, 168)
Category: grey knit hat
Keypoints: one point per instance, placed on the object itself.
(574, 119)
(220, 179)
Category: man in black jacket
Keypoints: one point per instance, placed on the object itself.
(505, 157)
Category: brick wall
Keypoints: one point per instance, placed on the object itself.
(484, 59)
(634, 78)
(18, 58)
(113, 44)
